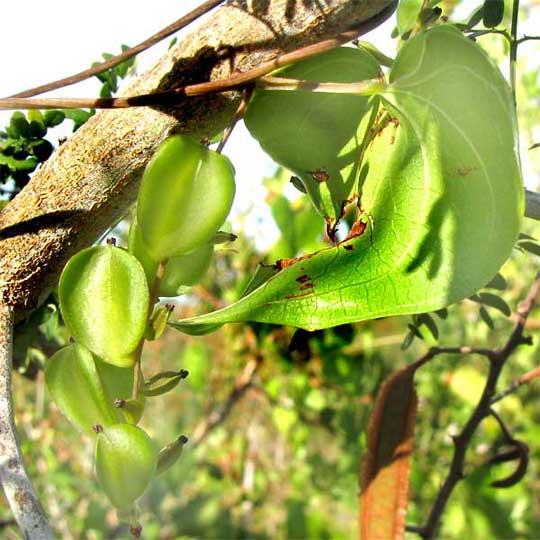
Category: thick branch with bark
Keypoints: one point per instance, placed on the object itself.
(93, 178)
(16, 484)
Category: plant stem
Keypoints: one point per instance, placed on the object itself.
(18, 489)
(154, 297)
(361, 88)
(514, 47)
(172, 97)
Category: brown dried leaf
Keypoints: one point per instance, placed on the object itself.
(385, 476)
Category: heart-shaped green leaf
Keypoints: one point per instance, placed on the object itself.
(104, 300)
(77, 389)
(443, 189)
(125, 462)
(318, 136)
(186, 193)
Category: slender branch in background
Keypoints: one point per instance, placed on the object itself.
(126, 55)
(497, 359)
(18, 489)
(242, 384)
(238, 80)
(532, 205)
(524, 379)
(514, 47)
(528, 38)
(238, 115)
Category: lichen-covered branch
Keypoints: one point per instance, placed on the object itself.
(93, 178)
(17, 487)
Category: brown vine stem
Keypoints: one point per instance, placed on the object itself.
(18, 489)
(126, 55)
(168, 98)
(238, 115)
(497, 359)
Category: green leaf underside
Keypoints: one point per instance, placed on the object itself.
(315, 134)
(444, 191)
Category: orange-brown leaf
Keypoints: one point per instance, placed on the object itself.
(385, 478)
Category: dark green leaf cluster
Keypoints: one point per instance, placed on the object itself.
(112, 76)
(23, 147)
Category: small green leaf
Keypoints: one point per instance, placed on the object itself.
(407, 14)
(493, 13)
(76, 387)
(53, 118)
(18, 126)
(125, 462)
(531, 247)
(498, 282)
(486, 317)
(427, 320)
(104, 301)
(496, 302)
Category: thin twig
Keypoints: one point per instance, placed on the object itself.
(238, 115)
(497, 358)
(154, 297)
(18, 489)
(514, 47)
(528, 38)
(524, 379)
(126, 55)
(243, 382)
(172, 97)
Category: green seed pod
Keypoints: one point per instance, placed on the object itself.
(170, 454)
(493, 13)
(186, 194)
(125, 462)
(77, 389)
(163, 382)
(104, 301)
(158, 321)
(318, 136)
(132, 409)
(117, 381)
(137, 247)
(186, 270)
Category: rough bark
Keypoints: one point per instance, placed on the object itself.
(93, 178)
(18, 490)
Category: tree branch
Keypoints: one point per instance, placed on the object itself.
(17, 487)
(241, 385)
(93, 178)
(497, 358)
